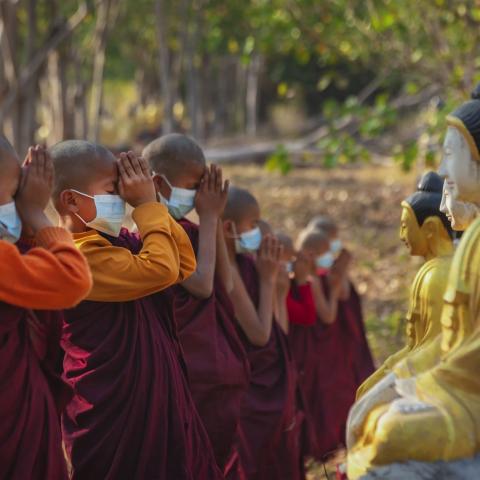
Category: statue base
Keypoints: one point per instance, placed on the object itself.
(465, 469)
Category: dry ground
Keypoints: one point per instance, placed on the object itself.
(365, 201)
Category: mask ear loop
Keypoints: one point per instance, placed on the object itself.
(85, 195)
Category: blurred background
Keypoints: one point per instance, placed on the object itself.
(331, 106)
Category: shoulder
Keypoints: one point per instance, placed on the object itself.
(86, 240)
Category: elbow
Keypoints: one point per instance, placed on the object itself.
(204, 292)
(75, 290)
(260, 339)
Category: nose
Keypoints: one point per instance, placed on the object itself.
(442, 169)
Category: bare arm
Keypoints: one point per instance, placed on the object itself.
(257, 323)
(209, 202)
(224, 266)
(326, 307)
(281, 292)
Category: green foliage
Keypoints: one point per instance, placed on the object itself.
(279, 161)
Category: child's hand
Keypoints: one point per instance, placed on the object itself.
(135, 185)
(302, 267)
(283, 282)
(342, 263)
(212, 195)
(268, 258)
(35, 189)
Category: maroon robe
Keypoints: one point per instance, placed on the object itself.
(330, 359)
(132, 416)
(217, 364)
(30, 439)
(269, 439)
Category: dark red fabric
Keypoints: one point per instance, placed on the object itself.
(301, 305)
(216, 360)
(269, 438)
(30, 439)
(132, 416)
(328, 358)
(351, 311)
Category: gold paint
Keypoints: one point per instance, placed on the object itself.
(437, 413)
(433, 242)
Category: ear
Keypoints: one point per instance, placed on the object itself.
(431, 227)
(161, 186)
(228, 229)
(68, 202)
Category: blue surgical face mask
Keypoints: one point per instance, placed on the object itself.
(289, 267)
(10, 223)
(248, 242)
(336, 245)
(110, 213)
(181, 201)
(325, 261)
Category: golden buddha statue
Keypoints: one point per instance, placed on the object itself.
(427, 233)
(435, 415)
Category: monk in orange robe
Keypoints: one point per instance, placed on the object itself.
(53, 274)
(132, 415)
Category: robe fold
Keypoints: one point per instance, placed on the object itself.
(270, 427)
(132, 416)
(30, 439)
(217, 364)
(332, 361)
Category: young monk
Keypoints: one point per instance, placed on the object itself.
(132, 416)
(53, 274)
(269, 427)
(349, 307)
(320, 350)
(216, 361)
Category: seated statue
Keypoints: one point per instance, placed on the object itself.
(427, 233)
(435, 415)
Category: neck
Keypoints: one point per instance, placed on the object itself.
(439, 246)
(73, 224)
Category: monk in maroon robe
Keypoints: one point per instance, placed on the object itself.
(269, 437)
(217, 364)
(325, 352)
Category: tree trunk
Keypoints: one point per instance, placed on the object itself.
(106, 16)
(29, 99)
(251, 95)
(8, 26)
(164, 65)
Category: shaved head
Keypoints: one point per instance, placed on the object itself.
(10, 171)
(239, 203)
(78, 162)
(7, 152)
(265, 228)
(172, 154)
(285, 240)
(321, 222)
(312, 239)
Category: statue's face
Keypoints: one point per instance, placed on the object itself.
(459, 167)
(411, 233)
(459, 214)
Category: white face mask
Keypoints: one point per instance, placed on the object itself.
(248, 242)
(181, 201)
(10, 223)
(110, 213)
